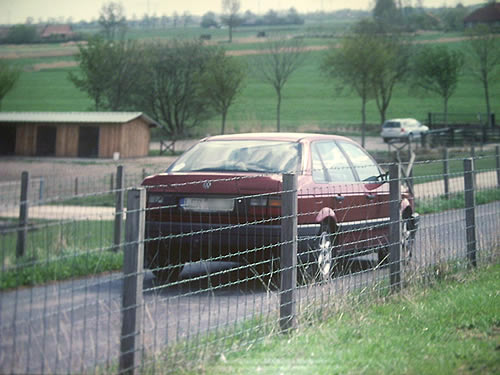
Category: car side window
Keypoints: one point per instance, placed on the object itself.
(364, 165)
(329, 163)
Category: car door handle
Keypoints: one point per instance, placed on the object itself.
(339, 198)
(370, 196)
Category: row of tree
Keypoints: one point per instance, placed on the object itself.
(180, 83)
(372, 60)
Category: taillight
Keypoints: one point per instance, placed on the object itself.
(274, 202)
(402, 130)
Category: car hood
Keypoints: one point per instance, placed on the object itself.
(213, 183)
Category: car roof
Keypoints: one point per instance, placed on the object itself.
(402, 120)
(274, 136)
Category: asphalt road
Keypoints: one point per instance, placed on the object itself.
(74, 326)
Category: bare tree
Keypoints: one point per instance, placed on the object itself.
(230, 18)
(437, 69)
(112, 20)
(484, 60)
(390, 64)
(278, 60)
(222, 82)
(349, 64)
(8, 78)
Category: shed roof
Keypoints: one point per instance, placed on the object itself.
(488, 13)
(75, 117)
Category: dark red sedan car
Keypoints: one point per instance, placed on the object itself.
(221, 201)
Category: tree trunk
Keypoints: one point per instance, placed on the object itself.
(278, 111)
(230, 34)
(445, 111)
(224, 114)
(487, 96)
(363, 121)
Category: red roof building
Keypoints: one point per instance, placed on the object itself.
(488, 15)
(57, 32)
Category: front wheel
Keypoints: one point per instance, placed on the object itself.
(322, 261)
(162, 261)
(407, 239)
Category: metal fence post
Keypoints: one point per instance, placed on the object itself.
(446, 173)
(470, 219)
(22, 232)
(132, 305)
(497, 158)
(395, 227)
(288, 256)
(120, 195)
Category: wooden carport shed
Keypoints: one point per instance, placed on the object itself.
(75, 134)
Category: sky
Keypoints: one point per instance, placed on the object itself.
(17, 11)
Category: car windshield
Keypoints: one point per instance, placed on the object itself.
(240, 156)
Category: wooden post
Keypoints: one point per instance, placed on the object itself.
(395, 227)
(22, 232)
(497, 158)
(132, 299)
(41, 191)
(470, 217)
(288, 256)
(120, 195)
(76, 185)
(446, 173)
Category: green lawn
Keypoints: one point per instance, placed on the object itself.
(451, 327)
(57, 251)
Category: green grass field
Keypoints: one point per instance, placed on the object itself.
(451, 327)
(310, 103)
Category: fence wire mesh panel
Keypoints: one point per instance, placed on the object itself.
(132, 276)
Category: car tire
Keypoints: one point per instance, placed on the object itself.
(383, 256)
(161, 261)
(407, 243)
(407, 238)
(168, 274)
(386, 140)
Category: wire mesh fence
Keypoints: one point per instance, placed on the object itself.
(121, 278)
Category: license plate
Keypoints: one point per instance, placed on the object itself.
(207, 204)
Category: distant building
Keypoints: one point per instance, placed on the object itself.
(487, 15)
(57, 32)
(75, 134)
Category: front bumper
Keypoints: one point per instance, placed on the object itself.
(196, 241)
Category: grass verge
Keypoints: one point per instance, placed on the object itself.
(58, 251)
(455, 201)
(451, 328)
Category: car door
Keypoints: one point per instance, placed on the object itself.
(338, 188)
(373, 210)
